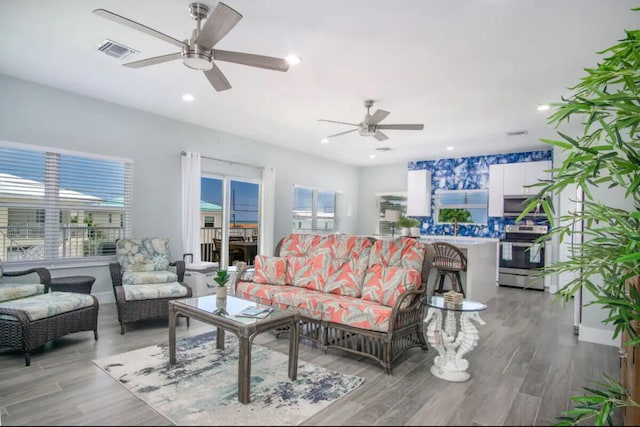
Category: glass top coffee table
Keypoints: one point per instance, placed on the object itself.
(219, 312)
(451, 342)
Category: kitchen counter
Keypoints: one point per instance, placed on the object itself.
(480, 279)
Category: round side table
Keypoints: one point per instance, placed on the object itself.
(450, 343)
(78, 284)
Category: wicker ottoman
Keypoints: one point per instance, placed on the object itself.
(17, 330)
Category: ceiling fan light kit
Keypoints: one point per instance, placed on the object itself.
(371, 126)
(197, 52)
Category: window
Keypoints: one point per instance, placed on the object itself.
(56, 205)
(209, 221)
(314, 210)
(392, 201)
(462, 206)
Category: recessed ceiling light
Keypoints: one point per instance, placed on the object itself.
(293, 60)
(543, 107)
(372, 156)
(187, 97)
(449, 148)
(325, 140)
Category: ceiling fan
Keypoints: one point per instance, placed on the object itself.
(370, 125)
(197, 52)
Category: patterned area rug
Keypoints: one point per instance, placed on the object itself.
(202, 388)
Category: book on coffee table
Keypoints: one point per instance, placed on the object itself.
(255, 312)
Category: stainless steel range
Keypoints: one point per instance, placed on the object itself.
(521, 257)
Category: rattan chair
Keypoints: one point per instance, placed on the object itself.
(142, 309)
(449, 261)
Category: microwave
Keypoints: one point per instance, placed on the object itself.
(514, 205)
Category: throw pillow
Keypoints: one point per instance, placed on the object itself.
(270, 270)
(385, 284)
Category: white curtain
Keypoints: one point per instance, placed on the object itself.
(267, 211)
(191, 174)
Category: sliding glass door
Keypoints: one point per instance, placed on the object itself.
(229, 214)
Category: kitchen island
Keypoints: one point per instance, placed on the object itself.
(480, 279)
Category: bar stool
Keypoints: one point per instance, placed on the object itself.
(449, 262)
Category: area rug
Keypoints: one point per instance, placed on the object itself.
(202, 387)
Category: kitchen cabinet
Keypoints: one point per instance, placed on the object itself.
(419, 193)
(516, 176)
(496, 194)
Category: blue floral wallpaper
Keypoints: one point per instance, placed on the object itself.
(469, 173)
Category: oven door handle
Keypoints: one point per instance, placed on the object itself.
(518, 244)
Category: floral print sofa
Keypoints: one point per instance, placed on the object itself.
(145, 279)
(355, 293)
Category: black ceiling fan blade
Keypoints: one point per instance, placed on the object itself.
(218, 24)
(217, 79)
(342, 133)
(402, 127)
(137, 26)
(342, 123)
(153, 61)
(378, 116)
(259, 61)
(380, 136)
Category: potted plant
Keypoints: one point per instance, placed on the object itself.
(221, 279)
(604, 156)
(410, 226)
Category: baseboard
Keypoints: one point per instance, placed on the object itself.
(598, 336)
(104, 297)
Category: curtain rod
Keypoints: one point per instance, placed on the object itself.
(184, 153)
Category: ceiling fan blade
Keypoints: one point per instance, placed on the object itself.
(260, 61)
(153, 61)
(380, 136)
(342, 123)
(342, 133)
(217, 79)
(217, 25)
(378, 116)
(402, 127)
(137, 26)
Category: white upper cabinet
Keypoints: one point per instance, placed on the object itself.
(419, 193)
(516, 176)
(496, 195)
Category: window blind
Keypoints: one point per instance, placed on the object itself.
(57, 205)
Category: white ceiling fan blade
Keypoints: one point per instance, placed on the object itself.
(153, 61)
(217, 79)
(402, 127)
(377, 117)
(218, 24)
(137, 26)
(380, 136)
(259, 61)
(334, 121)
(342, 133)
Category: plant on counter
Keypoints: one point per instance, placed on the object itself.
(407, 222)
(605, 155)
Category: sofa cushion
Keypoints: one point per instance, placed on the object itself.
(401, 252)
(270, 270)
(350, 258)
(384, 285)
(357, 312)
(47, 305)
(309, 271)
(143, 254)
(10, 291)
(300, 245)
(307, 302)
(148, 277)
(258, 292)
(155, 291)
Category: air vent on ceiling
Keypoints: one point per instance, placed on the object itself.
(517, 132)
(383, 149)
(115, 49)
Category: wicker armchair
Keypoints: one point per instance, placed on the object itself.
(139, 294)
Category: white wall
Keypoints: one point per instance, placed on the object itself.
(372, 180)
(41, 115)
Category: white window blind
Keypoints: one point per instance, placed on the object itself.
(57, 205)
(314, 211)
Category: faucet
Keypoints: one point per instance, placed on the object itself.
(455, 226)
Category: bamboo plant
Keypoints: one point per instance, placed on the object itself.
(604, 155)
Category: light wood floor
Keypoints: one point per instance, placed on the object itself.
(526, 366)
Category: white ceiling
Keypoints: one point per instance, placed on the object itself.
(470, 70)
